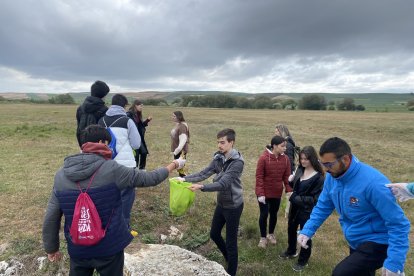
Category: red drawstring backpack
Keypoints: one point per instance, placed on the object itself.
(86, 228)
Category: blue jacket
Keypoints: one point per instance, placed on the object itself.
(367, 212)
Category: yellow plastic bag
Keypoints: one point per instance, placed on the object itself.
(181, 198)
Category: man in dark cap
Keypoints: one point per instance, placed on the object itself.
(93, 108)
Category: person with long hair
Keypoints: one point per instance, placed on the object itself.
(307, 185)
(180, 138)
(272, 173)
(282, 130)
(135, 113)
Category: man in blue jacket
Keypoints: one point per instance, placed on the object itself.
(372, 222)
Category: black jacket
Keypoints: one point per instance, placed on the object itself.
(305, 194)
(92, 105)
(141, 126)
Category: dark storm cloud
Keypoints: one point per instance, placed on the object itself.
(144, 44)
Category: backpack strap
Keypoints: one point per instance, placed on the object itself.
(106, 126)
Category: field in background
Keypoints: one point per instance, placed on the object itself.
(36, 138)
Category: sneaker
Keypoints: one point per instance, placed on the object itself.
(298, 267)
(262, 243)
(271, 238)
(286, 256)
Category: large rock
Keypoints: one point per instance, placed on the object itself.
(157, 259)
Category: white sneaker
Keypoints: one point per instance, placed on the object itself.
(262, 243)
(271, 238)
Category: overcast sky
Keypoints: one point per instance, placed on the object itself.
(252, 46)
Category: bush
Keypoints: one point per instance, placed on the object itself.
(313, 102)
(155, 102)
(62, 99)
(410, 104)
(360, 107)
(346, 104)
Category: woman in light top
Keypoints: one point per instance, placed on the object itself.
(180, 138)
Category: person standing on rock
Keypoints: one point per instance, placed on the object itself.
(107, 178)
(227, 165)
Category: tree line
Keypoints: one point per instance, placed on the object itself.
(307, 102)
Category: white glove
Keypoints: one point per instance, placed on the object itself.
(302, 240)
(291, 177)
(181, 162)
(179, 179)
(400, 191)
(261, 199)
(386, 272)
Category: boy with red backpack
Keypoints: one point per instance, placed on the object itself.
(93, 174)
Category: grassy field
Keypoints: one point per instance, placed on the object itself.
(36, 138)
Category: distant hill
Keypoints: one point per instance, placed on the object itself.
(372, 101)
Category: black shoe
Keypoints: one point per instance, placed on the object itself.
(298, 267)
(286, 256)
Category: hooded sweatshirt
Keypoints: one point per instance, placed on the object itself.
(91, 105)
(126, 133)
(226, 181)
(272, 173)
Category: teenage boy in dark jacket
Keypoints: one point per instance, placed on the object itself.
(93, 104)
(228, 166)
(107, 257)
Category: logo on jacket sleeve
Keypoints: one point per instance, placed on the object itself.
(353, 201)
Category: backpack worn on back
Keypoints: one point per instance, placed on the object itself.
(112, 144)
(86, 228)
(86, 119)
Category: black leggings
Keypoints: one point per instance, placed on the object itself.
(270, 208)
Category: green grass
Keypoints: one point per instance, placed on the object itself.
(36, 138)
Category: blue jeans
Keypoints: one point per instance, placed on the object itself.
(230, 218)
(127, 197)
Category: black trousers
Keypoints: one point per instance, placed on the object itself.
(294, 222)
(269, 209)
(364, 260)
(106, 266)
(230, 218)
(141, 160)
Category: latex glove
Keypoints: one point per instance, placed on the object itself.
(181, 162)
(261, 199)
(400, 191)
(386, 272)
(54, 257)
(179, 179)
(291, 177)
(302, 240)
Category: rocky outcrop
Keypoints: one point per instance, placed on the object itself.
(157, 259)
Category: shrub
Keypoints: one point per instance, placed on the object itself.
(62, 99)
(313, 102)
